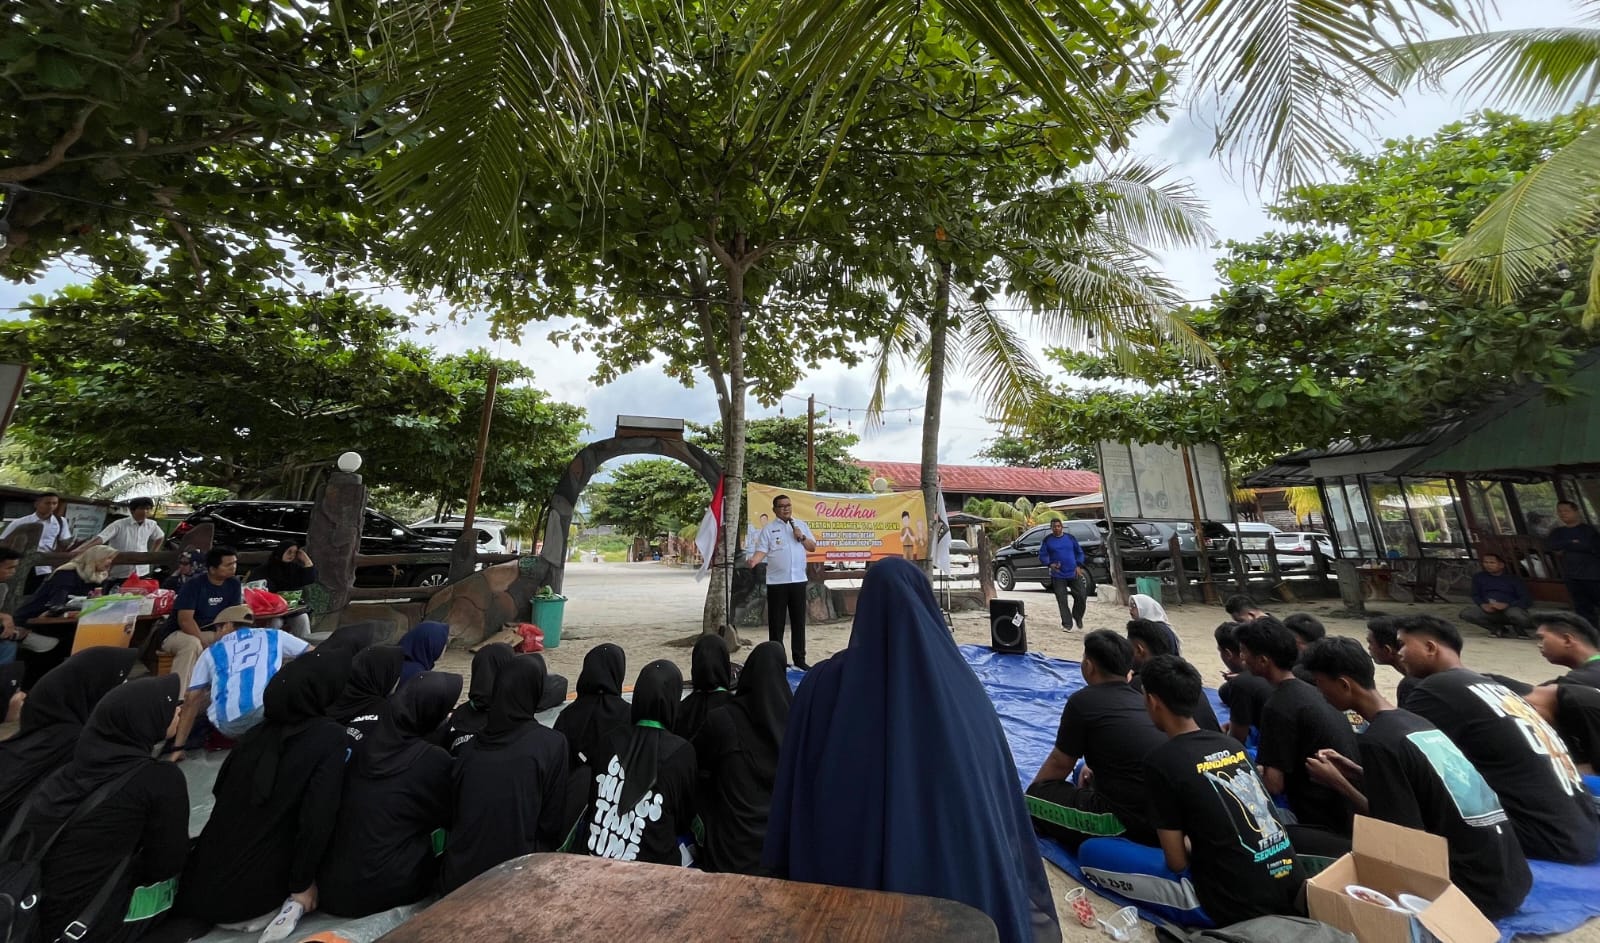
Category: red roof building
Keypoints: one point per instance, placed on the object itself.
(990, 481)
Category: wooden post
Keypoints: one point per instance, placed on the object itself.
(980, 541)
(1206, 586)
(1319, 567)
(1241, 565)
(1180, 575)
(464, 558)
(811, 443)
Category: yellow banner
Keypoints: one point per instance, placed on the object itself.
(848, 527)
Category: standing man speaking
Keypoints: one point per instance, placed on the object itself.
(1062, 553)
(783, 544)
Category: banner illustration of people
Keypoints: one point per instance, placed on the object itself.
(851, 527)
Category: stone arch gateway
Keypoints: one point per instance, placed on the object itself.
(552, 557)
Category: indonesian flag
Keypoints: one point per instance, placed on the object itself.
(706, 538)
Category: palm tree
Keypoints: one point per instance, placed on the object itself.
(1008, 520)
(1549, 214)
(1079, 280)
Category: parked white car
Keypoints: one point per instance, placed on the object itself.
(491, 533)
(1299, 542)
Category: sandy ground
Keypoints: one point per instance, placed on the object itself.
(653, 612)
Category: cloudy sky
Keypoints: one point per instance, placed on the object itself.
(1236, 211)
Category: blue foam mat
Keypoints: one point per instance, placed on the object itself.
(1030, 690)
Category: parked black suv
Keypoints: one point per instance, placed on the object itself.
(262, 525)
(1155, 536)
(1019, 562)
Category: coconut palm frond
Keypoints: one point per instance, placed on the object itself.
(1146, 208)
(1538, 69)
(1535, 224)
(1007, 376)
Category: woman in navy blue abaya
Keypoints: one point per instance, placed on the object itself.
(895, 775)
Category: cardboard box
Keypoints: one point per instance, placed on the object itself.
(1393, 861)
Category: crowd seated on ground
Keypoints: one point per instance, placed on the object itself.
(356, 785)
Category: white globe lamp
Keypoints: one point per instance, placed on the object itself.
(880, 484)
(350, 462)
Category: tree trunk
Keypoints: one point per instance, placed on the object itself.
(733, 421)
(938, 330)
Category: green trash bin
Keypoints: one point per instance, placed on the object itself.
(1144, 585)
(546, 615)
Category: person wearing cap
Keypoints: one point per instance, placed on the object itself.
(231, 676)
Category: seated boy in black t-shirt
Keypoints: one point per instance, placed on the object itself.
(1411, 774)
(1383, 644)
(1569, 641)
(1523, 759)
(1244, 693)
(1574, 710)
(1104, 723)
(1149, 640)
(1296, 723)
(1212, 815)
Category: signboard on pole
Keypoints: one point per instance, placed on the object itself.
(1148, 480)
(850, 527)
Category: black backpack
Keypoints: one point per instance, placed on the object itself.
(21, 890)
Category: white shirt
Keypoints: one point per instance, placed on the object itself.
(237, 668)
(785, 556)
(130, 536)
(56, 532)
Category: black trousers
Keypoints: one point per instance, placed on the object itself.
(788, 599)
(1073, 590)
(1585, 598)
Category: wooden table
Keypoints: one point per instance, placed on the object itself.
(573, 898)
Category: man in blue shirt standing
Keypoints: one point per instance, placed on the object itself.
(1500, 600)
(1579, 546)
(1063, 555)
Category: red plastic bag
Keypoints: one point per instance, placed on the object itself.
(532, 638)
(161, 602)
(264, 603)
(136, 584)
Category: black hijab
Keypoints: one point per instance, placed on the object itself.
(373, 674)
(599, 708)
(517, 689)
(297, 697)
(760, 706)
(125, 727)
(655, 707)
(486, 665)
(52, 717)
(415, 711)
(358, 635)
(278, 573)
(711, 675)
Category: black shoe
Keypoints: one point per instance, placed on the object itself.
(1066, 627)
(800, 663)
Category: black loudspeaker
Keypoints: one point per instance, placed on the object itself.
(1008, 629)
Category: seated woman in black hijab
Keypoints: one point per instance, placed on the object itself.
(277, 799)
(711, 676)
(288, 569)
(396, 795)
(468, 720)
(592, 718)
(132, 842)
(510, 781)
(648, 776)
(737, 752)
(53, 716)
(373, 675)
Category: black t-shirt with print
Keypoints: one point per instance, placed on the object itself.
(1107, 725)
(1523, 759)
(1240, 860)
(1295, 723)
(1413, 775)
(1245, 694)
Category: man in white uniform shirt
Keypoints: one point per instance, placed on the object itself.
(783, 545)
(56, 535)
(137, 533)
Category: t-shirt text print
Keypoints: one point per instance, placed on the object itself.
(1541, 737)
(613, 832)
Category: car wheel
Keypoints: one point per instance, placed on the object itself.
(1005, 578)
(432, 576)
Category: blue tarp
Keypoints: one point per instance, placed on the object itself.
(1030, 690)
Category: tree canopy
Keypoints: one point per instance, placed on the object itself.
(649, 497)
(1344, 322)
(261, 401)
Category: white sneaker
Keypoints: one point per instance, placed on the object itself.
(34, 642)
(283, 924)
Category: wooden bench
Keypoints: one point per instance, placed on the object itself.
(558, 897)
